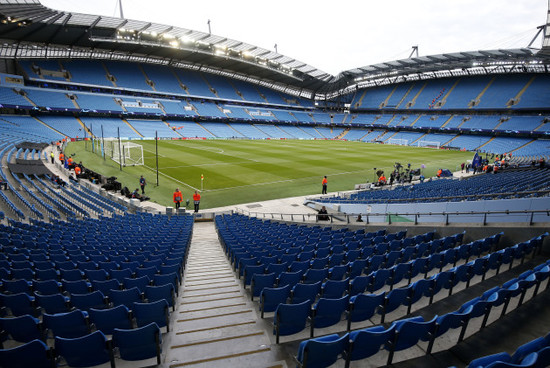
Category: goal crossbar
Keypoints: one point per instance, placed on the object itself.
(429, 144)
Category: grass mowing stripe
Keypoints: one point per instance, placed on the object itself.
(243, 171)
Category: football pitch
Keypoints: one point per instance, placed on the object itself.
(243, 171)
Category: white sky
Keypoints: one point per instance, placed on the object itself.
(339, 35)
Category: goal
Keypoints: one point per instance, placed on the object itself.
(429, 144)
(124, 153)
(398, 141)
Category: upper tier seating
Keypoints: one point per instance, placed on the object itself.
(128, 75)
(479, 92)
(146, 77)
(8, 97)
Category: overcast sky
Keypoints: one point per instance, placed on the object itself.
(339, 35)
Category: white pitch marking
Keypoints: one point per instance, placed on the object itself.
(220, 151)
(172, 178)
(212, 164)
(153, 152)
(280, 181)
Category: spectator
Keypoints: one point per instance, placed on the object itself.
(3, 184)
(359, 218)
(462, 167)
(59, 181)
(323, 214)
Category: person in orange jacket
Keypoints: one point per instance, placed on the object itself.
(62, 157)
(196, 200)
(178, 197)
(324, 183)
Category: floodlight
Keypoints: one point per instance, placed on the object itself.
(186, 39)
(154, 34)
(233, 52)
(203, 44)
(248, 54)
(174, 43)
(168, 36)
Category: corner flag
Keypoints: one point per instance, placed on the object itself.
(202, 177)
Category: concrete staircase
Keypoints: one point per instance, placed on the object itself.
(215, 324)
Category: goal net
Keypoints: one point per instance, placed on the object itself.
(124, 153)
(429, 144)
(398, 141)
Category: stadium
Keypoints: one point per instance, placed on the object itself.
(432, 252)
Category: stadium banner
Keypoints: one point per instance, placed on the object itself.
(476, 161)
(11, 80)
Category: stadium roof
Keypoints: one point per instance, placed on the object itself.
(30, 30)
(40, 32)
(440, 66)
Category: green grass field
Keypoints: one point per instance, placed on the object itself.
(254, 170)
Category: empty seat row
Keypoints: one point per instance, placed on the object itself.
(387, 269)
(83, 297)
(406, 333)
(360, 307)
(93, 349)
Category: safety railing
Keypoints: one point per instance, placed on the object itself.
(477, 217)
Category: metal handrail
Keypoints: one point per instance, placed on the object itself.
(428, 199)
(367, 216)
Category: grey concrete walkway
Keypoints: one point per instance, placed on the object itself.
(215, 324)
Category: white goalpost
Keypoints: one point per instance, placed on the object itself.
(429, 144)
(125, 153)
(398, 141)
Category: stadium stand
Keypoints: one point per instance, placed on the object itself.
(249, 131)
(127, 75)
(71, 256)
(151, 128)
(510, 184)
